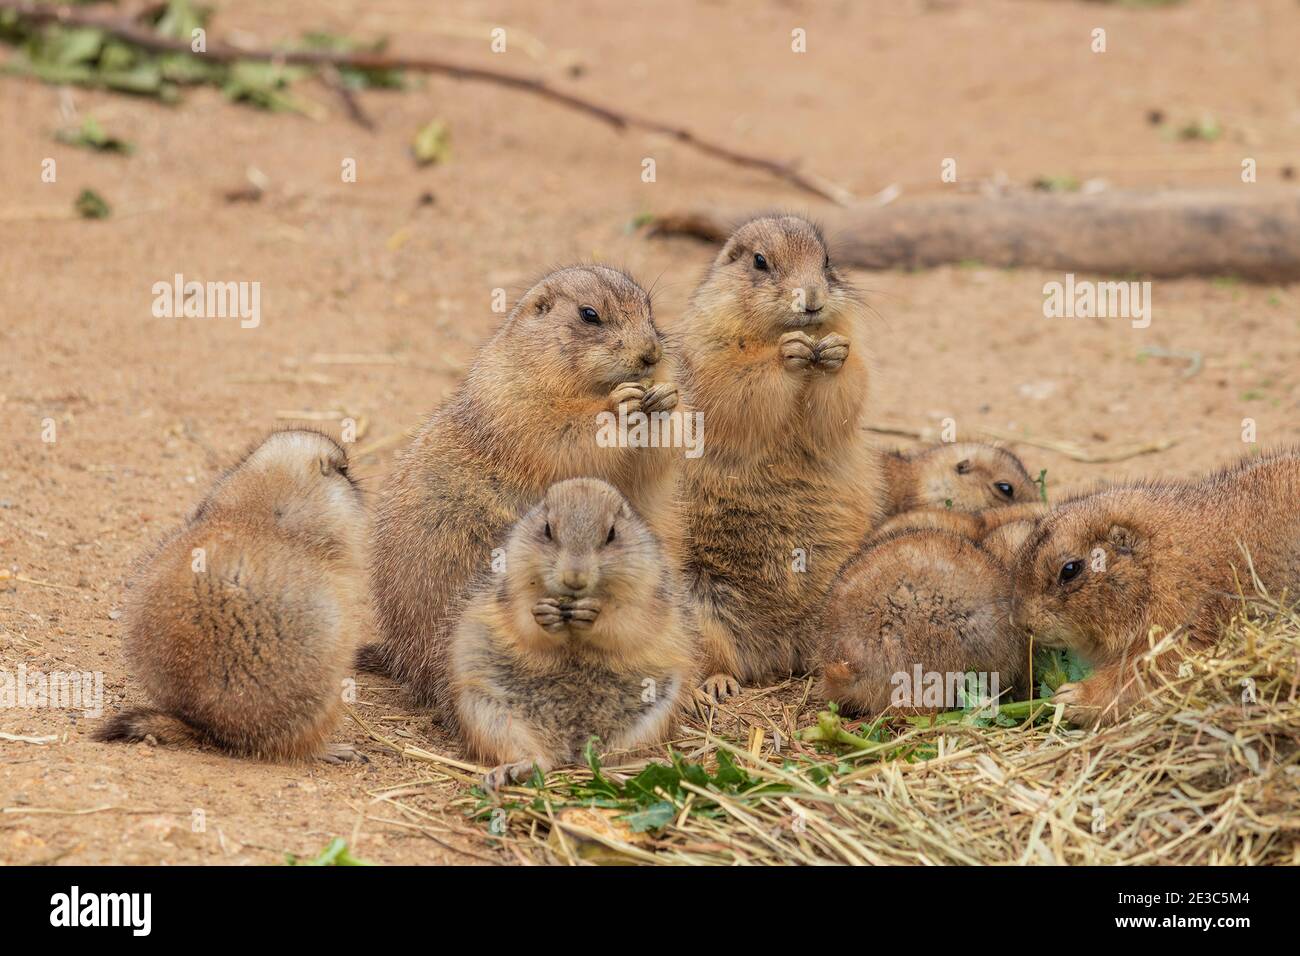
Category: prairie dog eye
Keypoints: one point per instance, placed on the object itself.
(589, 315)
(1070, 570)
(1004, 488)
(610, 538)
(760, 262)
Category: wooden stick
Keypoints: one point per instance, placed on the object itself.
(1250, 232)
(133, 32)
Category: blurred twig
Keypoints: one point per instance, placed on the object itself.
(129, 29)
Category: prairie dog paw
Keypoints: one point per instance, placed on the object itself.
(341, 753)
(505, 774)
(719, 687)
(1080, 710)
(798, 350)
(581, 614)
(830, 352)
(629, 395)
(660, 397)
(549, 614)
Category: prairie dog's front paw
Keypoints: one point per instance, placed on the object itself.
(659, 397)
(507, 773)
(628, 395)
(830, 352)
(549, 613)
(1080, 707)
(581, 614)
(798, 351)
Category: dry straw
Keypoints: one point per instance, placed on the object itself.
(1207, 773)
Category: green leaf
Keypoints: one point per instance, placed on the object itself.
(62, 47)
(180, 19)
(599, 782)
(651, 818)
(117, 57)
(91, 135)
(1052, 668)
(646, 786)
(336, 854)
(729, 776)
(259, 84)
(1057, 184)
(91, 205)
(432, 144)
(353, 77)
(692, 773)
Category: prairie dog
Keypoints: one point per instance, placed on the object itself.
(1101, 570)
(962, 476)
(582, 634)
(580, 342)
(242, 625)
(976, 525)
(926, 603)
(1007, 538)
(775, 359)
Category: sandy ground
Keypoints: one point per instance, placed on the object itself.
(146, 410)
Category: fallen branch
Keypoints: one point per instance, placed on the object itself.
(131, 30)
(1252, 232)
(20, 739)
(1067, 448)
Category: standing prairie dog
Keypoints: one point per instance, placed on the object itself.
(775, 359)
(581, 342)
(928, 603)
(242, 625)
(583, 634)
(961, 476)
(1102, 570)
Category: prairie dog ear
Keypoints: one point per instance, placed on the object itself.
(730, 252)
(543, 303)
(325, 465)
(1122, 538)
(963, 466)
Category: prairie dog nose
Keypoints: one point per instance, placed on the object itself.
(575, 580)
(652, 353)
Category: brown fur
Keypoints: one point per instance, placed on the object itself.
(964, 523)
(961, 476)
(250, 653)
(926, 598)
(784, 467)
(559, 646)
(1160, 554)
(1006, 538)
(1000, 531)
(524, 418)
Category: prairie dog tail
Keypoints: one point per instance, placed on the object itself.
(372, 659)
(134, 725)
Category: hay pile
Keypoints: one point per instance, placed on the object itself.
(1204, 775)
